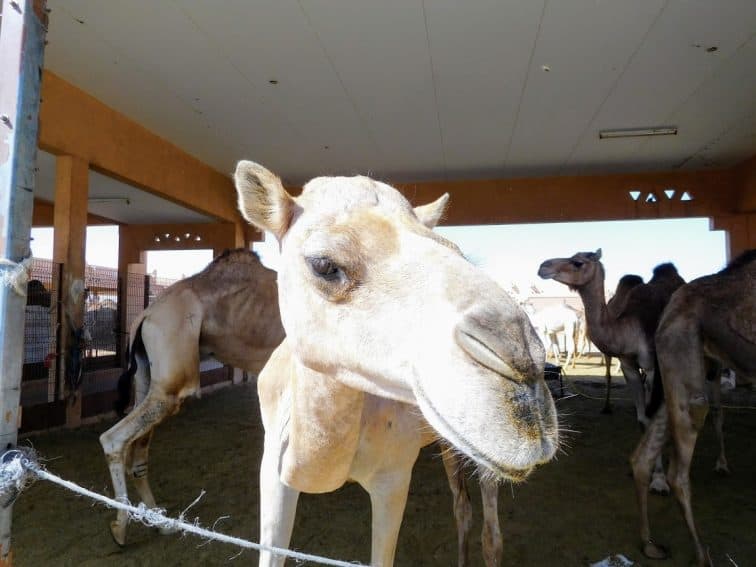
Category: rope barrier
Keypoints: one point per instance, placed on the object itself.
(20, 467)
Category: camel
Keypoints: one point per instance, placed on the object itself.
(380, 312)
(552, 321)
(615, 306)
(630, 335)
(228, 311)
(234, 288)
(708, 322)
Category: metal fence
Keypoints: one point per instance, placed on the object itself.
(40, 374)
(101, 317)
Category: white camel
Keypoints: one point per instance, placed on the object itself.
(553, 321)
(387, 327)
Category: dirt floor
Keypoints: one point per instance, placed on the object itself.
(574, 511)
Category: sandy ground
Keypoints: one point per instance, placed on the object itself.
(574, 511)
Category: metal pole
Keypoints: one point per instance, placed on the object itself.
(22, 45)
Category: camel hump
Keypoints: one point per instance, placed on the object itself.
(667, 275)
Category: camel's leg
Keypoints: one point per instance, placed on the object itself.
(642, 462)
(572, 346)
(714, 395)
(388, 496)
(658, 481)
(461, 503)
(117, 441)
(635, 384)
(687, 420)
(138, 465)
(493, 548)
(278, 507)
(608, 401)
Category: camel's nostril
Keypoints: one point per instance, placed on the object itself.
(482, 353)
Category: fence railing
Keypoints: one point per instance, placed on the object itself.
(104, 310)
(41, 368)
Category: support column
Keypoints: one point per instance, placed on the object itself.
(71, 191)
(132, 268)
(22, 47)
(740, 230)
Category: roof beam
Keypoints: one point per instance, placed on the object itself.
(582, 198)
(75, 123)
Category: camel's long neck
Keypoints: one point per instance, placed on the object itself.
(597, 318)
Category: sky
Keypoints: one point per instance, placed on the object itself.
(508, 253)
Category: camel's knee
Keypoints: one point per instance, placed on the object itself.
(112, 446)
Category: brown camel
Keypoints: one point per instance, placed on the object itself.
(630, 335)
(228, 311)
(711, 319)
(616, 305)
(380, 310)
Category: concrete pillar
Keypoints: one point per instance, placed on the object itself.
(132, 267)
(741, 232)
(70, 223)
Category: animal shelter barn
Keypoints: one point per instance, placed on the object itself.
(135, 115)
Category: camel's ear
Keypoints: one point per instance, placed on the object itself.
(431, 213)
(598, 254)
(263, 201)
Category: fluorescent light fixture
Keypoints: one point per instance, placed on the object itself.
(636, 132)
(108, 200)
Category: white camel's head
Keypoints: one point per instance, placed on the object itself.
(372, 297)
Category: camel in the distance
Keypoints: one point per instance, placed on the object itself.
(380, 312)
(630, 334)
(552, 321)
(710, 318)
(228, 311)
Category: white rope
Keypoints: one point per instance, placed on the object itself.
(16, 275)
(19, 467)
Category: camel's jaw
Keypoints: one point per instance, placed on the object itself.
(518, 432)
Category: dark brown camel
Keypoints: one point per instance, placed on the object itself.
(708, 321)
(615, 306)
(630, 334)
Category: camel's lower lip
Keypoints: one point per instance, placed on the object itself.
(501, 472)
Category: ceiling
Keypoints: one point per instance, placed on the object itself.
(434, 89)
(112, 199)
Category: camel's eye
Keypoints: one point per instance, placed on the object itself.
(577, 263)
(324, 268)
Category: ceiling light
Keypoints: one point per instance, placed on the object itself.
(107, 200)
(635, 132)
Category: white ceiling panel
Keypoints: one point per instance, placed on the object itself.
(380, 53)
(413, 89)
(479, 70)
(276, 43)
(674, 61)
(585, 52)
(723, 103)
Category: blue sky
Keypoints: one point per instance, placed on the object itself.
(509, 253)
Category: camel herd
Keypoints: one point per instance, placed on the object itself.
(377, 337)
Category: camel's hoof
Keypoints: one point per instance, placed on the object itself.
(722, 468)
(118, 532)
(659, 486)
(607, 410)
(655, 551)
